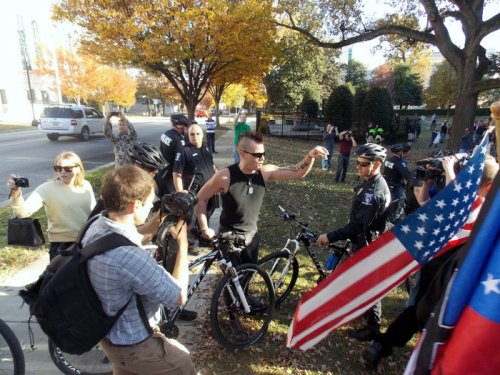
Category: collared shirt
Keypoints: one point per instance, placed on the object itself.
(120, 274)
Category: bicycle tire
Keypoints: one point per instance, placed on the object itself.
(11, 353)
(93, 362)
(274, 264)
(226, 312)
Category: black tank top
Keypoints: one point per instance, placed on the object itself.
(241, 204)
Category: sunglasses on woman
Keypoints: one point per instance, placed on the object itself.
(66, 169)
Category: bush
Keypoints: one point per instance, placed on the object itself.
(339, 107)
(377, 107)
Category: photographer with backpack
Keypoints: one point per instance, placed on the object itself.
(129, 276)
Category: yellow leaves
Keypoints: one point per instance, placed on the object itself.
(82, 76)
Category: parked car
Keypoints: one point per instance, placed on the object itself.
(305, 126)
(71, 120)
(201, 113)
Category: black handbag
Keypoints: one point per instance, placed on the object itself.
(25, 232)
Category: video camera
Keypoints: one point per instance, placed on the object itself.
(436, 165)
(179, 204)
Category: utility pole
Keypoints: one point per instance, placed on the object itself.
(26, 64)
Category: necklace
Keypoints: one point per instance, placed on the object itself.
(250, 184)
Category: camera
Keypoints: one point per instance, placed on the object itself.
(22, 182)
(179, 204)
(436, 165)
(114, 113)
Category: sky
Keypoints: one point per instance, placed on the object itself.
(40, 10)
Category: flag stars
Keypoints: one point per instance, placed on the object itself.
(423, 217)
(468, 184)
(439, 218)
(455, 202)
(452, 214)
(405, 229)
(440, 203)
(436, 231)
(421, 231)
(471, 169)
(447, 227)
(458, 188)
(466, 198)
(484, 149)
(419, 245)
(491, 285)
(432, 243)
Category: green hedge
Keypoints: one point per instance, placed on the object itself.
(439, 112)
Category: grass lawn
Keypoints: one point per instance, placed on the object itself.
(324, 204)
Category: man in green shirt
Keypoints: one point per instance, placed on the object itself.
(240, 128)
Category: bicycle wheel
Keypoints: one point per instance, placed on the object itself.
(232, 327)
(283, 274)
(94, 362)
(11, 353)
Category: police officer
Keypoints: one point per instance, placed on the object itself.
(172, 141)
(367, 219)
(397, 174)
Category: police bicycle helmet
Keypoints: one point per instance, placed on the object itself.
(147, 156)
(398, 147)
(371, 151)
(179, 119)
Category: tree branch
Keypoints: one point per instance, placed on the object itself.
(489, 26)
(368, 35)
(486, 84)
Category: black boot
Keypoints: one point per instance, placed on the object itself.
(368, 333)
(372, 355)
(188, 315)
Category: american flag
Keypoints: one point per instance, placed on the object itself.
(367, 276)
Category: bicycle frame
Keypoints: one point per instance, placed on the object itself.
(304, 237)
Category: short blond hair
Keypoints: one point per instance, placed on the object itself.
(75, 159)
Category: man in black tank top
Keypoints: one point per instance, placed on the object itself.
(242, 187)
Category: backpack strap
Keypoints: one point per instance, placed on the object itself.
(109, 242)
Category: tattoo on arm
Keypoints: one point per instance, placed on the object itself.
(304, 165)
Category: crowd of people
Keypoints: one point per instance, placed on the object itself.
(130, 205)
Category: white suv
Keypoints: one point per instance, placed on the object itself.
(71, 120)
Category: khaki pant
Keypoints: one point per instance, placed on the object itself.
(156, 355)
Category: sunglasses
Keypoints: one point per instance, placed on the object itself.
(363, 163)
(67, 169)
(257, 155)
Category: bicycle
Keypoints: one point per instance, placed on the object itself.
(283, 265)
(244, 295)
(11, 353)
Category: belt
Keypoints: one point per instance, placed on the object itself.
(127, 345)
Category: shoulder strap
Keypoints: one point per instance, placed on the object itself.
(103, 244)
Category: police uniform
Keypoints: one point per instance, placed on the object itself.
(191, 161)
(397, 174)
(171, 143)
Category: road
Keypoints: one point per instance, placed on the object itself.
(30, 154)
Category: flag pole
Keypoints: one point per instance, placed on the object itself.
(495, 114)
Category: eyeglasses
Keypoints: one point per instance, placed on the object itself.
(67, 169)
(363, 163)
(257, 155)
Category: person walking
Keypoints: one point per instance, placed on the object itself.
(346, 143)
(329, 136)
(121, 141)
(240, 128)
(210, 126)
(68, 199)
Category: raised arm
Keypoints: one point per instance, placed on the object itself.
(299, 170)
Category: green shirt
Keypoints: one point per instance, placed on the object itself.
(239, 129)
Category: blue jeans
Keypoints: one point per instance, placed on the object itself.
(342, 165)
(327, 163)
(236, 156)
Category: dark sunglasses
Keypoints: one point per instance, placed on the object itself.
(363, 163)
(67, 169)
(257, 155)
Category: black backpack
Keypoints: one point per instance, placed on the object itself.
(64, 302)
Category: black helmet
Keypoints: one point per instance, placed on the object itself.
(398, 147)
(179, 119)
(372, 151)
(147, 156)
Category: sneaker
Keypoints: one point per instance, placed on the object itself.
(367, 333)
(371, 356)
(237, 330)
(188, 315)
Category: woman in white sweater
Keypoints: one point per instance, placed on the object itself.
(67, 199)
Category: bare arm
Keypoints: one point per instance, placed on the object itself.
(219, 183)
(300, 170)
(181, 271)
(177, 178)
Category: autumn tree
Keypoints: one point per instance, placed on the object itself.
(155, 86)
(355, 73)
(188, 41)
(347, 23)
(442, 90)
(83, 78)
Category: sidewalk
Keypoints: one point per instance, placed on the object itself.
(38, 361)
